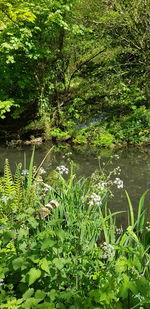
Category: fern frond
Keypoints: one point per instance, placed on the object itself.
(1, 186)
(18, 188)
(9, 187)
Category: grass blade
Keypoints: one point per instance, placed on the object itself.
(141, 213)
(130, 210)
(30, 175)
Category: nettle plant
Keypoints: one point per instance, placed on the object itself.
(60, 246)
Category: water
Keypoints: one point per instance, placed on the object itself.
(134, 163)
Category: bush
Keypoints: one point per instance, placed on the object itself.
(134, 128)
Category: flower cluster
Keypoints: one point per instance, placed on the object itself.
(47, 187)
(24, 172)
(148, 226)
(117, 170)
(119, 183)
(116, 157)
(95, 199)
(109, 251)
(62, 170)
(119, 231)
(42, 171)
(39, 179)
(139, 297)
(102, 185)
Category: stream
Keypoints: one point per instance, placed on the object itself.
(134, 163)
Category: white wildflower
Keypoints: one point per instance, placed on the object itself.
(62, 170)
(42, 171)
(119, 183)
(47, 187)
(109, 251)
(148, 226)
(24, 172)
(1, 282)
(102, 185)
(95, 199)
(116, 157)
(139, 297)
(119, 231)
(117, 170)
(39, 179)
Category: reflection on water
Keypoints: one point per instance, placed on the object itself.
(134, 163)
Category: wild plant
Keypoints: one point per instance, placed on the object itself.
(20, 193)
(138, 224)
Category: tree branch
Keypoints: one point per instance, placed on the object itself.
(4, 12)
(80, 65)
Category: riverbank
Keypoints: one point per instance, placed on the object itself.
(97, 134)
(105, 130)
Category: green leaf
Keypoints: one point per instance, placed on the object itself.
(130, 209)
(34, 274)
(40, 295)
(30, 176)
(125, 286)
(22, 234)
(59, 263)
(46, 306)
(44, 265)
(31, 303)
(52, 294)
(33, 222)
(28, 294)
(34, 259)
(47, 243)
(132, 234)
(121, 265)
(141, 213)
(17, 263)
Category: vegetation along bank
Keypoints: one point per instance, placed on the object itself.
(75, 71)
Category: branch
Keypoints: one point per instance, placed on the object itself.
(4, 12)
(79, 66)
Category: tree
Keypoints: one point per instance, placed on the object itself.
(73, 58)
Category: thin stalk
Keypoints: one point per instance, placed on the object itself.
(42, 162)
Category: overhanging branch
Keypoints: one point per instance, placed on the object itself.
(80, 65)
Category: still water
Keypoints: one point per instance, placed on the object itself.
(134, 164)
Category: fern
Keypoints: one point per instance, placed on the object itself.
(9, 187)
(1, 186)
(18, 189)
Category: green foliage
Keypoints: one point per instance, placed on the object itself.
(72, 61)
(96, 134)
(133, 128)
(73, 255)
(5, 107)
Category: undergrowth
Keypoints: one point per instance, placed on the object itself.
(60, 246)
